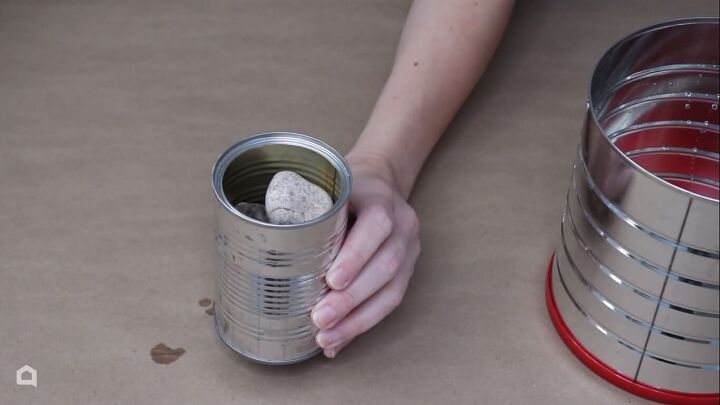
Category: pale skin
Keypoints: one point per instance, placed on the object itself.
(444, 48)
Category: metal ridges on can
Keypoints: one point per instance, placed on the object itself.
(634, 287)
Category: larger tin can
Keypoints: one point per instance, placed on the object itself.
(270, 276)
(634, 285)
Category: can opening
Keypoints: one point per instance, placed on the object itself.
(656, 98)
(248, 175)
(675, 137)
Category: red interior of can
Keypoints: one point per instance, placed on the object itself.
(683, 153)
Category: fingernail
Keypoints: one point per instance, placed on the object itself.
(337, 279)
(328, 338)
(323, 316)
(330, 353)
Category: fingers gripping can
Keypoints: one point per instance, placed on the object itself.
(270, 276)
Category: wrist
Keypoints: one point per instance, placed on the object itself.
(373, 163)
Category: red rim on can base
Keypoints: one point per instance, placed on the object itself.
(607, 372)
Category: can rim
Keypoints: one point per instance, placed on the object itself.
(605, 371)
(591, 106)
(259, 360)
(284, 138)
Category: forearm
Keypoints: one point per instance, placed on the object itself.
(444, 48)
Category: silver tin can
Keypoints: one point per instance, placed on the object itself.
(635, 282)
(270, 276)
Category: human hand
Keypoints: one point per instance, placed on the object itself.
(369, 277)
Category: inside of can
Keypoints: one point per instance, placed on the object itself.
(656, 97)
(247, 177)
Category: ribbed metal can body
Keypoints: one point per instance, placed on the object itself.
(636, 276)
(269, 276)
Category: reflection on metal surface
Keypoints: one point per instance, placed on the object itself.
(269, 276)
(636, 273)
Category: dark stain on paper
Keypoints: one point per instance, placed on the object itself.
(162, 354)
(211, 309)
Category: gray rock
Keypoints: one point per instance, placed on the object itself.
(253, 210)
(290, 199)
